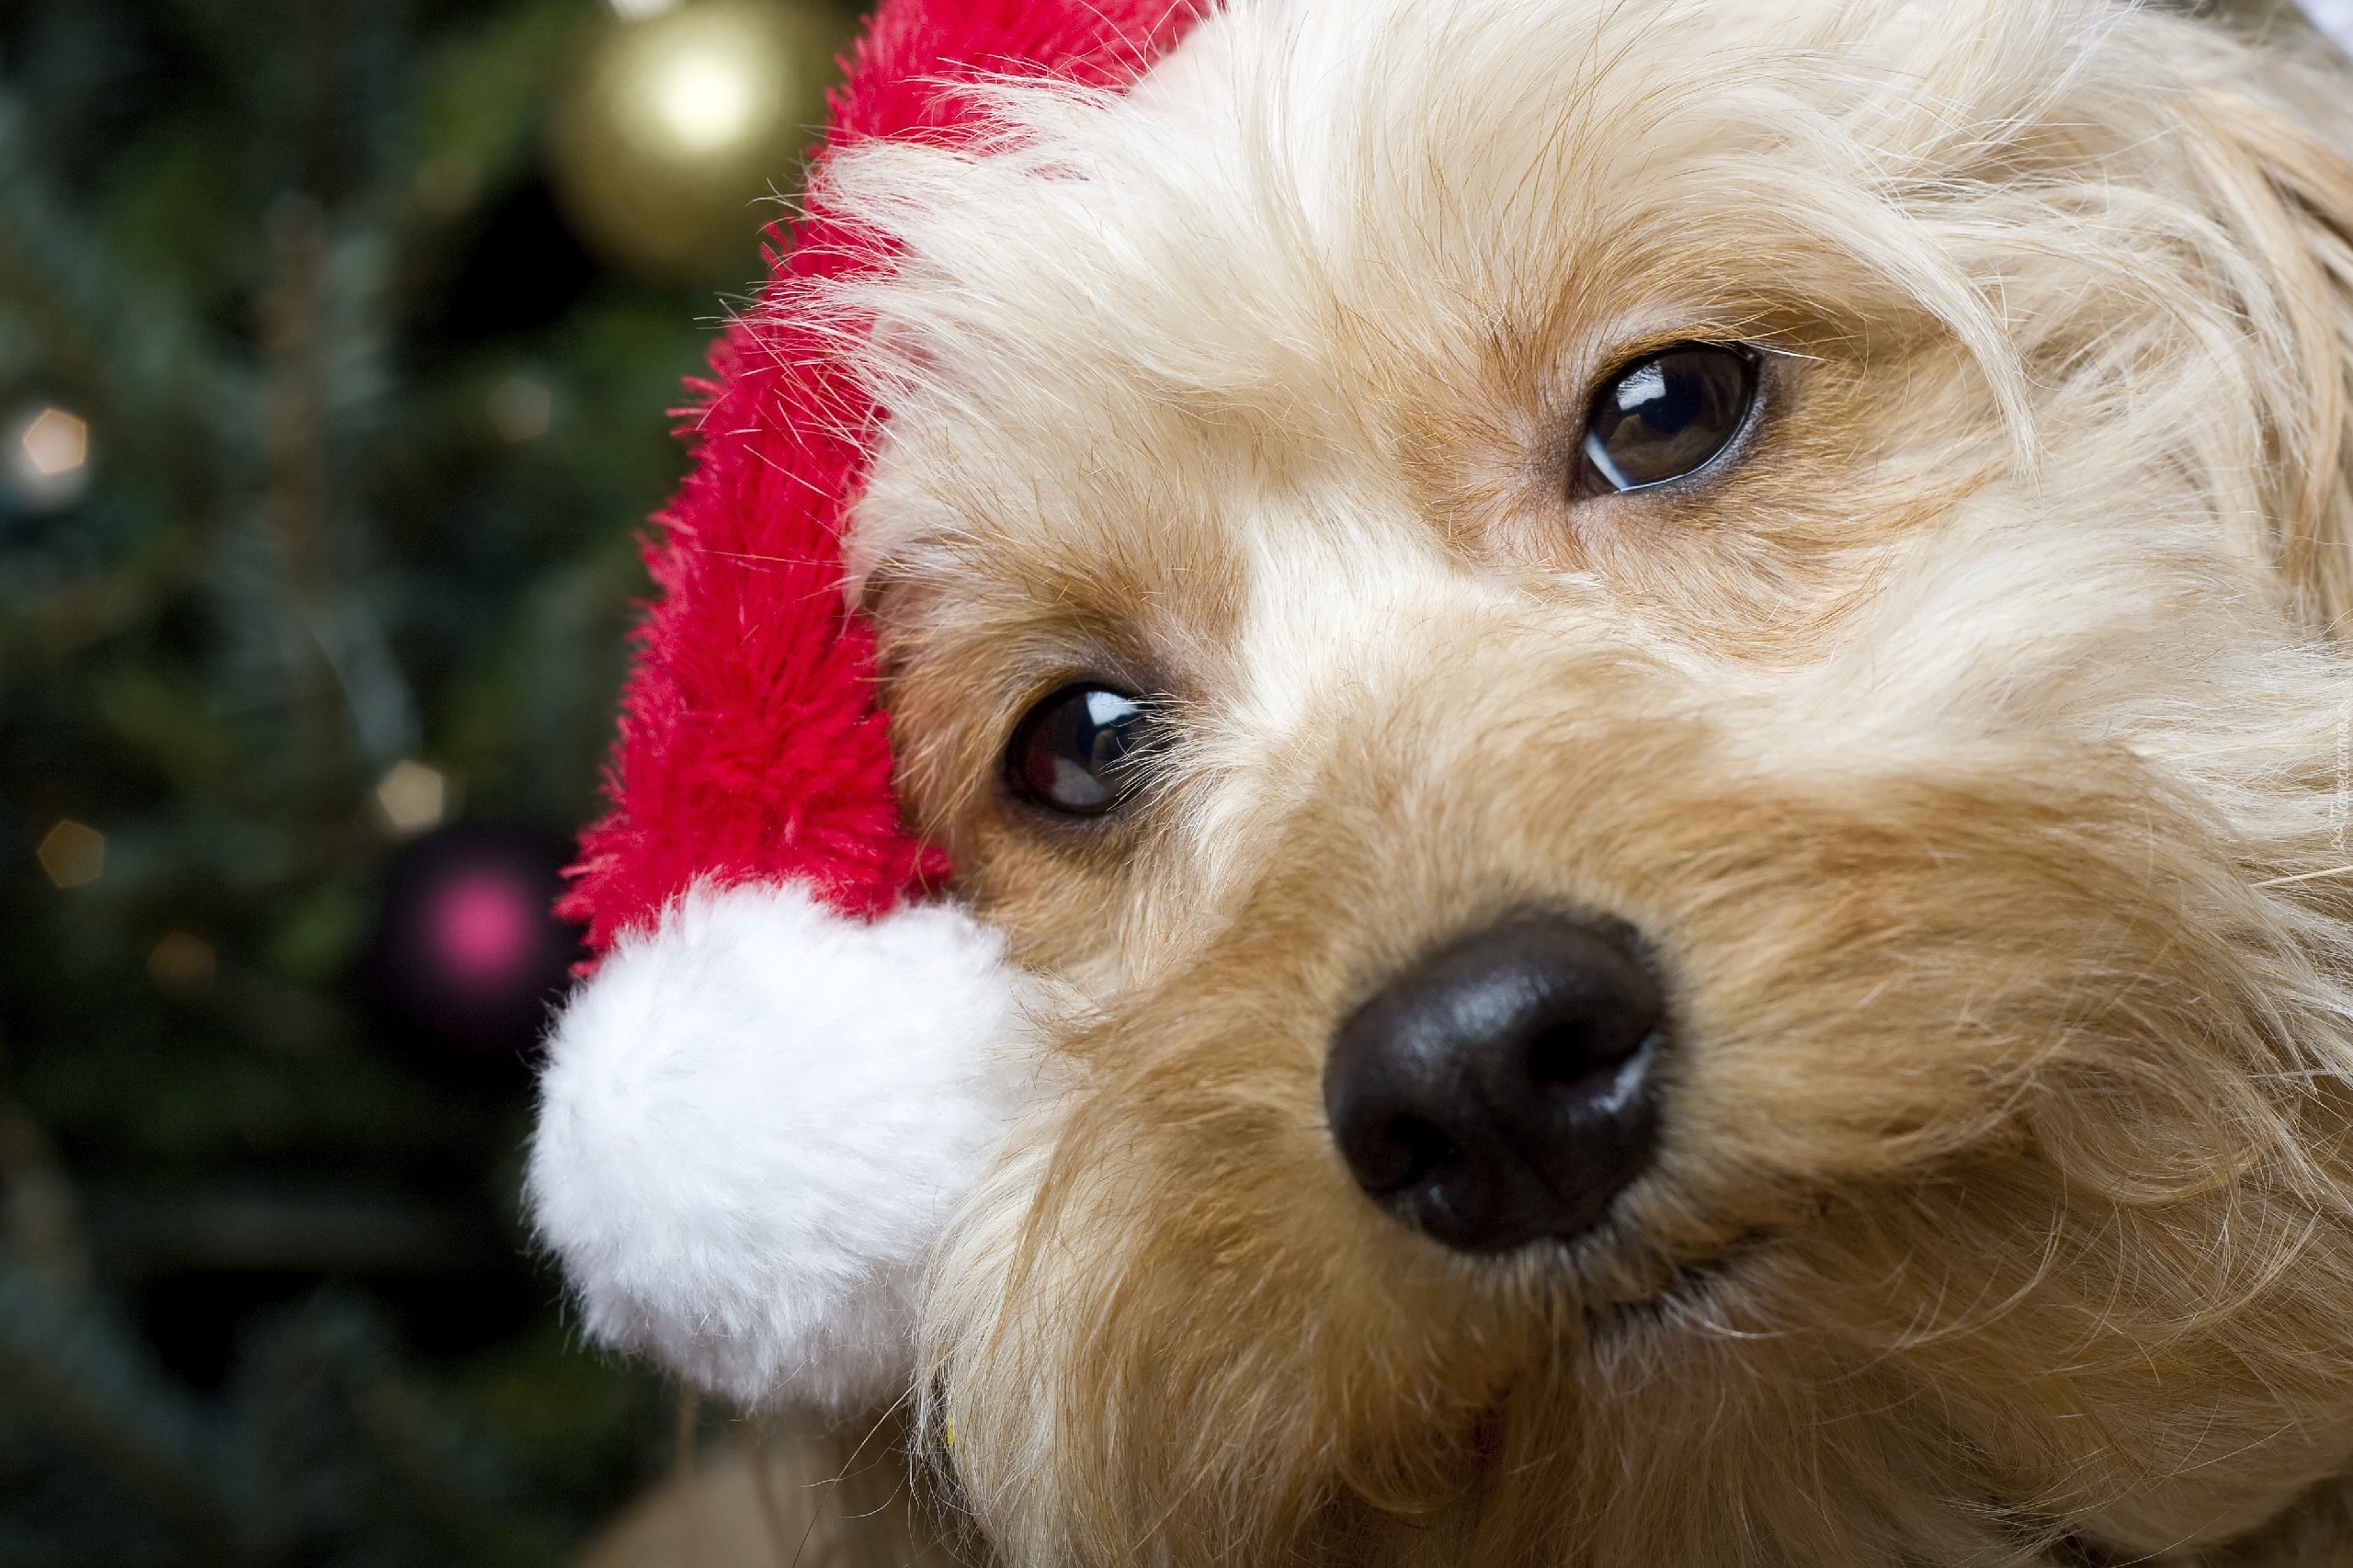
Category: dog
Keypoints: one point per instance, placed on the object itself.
(1654, 690)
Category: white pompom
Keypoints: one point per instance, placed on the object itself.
(753, 1126)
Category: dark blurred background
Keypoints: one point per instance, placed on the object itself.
(335, 342)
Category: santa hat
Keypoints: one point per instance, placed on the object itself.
(794, 1055)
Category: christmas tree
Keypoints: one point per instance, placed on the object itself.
(335, 342)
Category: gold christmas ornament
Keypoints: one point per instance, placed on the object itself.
(678, 123)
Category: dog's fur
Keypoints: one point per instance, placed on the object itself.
(1972, 749)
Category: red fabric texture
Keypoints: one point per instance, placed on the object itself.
(750, 747)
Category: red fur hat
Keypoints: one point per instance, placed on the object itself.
(790, 1059)
(750, 746)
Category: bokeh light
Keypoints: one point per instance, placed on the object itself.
(48, 456)
(182, 965)
(72, 853)
(412, 798)
(521, 408)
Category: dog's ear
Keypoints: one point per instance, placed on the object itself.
(2287, 195)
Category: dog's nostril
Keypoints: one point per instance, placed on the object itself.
(1502, 1088)
(1409, 1150)
(1568, 1057)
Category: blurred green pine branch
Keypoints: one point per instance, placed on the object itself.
(263, 1293)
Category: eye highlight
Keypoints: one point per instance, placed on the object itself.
(1666, 416)
(1078, 752)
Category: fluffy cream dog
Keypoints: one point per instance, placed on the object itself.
(1653, 683)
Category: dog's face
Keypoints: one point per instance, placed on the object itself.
(1645, 678)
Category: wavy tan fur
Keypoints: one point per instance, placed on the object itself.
(1972, 749)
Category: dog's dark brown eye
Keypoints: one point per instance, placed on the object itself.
(1666, 416)
(1078, 751)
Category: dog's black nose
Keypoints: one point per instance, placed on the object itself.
(1501, 1089)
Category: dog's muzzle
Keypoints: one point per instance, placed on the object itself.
(1502, 1088)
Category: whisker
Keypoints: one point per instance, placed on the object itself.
(2306, 877)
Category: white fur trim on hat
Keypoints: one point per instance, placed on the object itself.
(753, 1123)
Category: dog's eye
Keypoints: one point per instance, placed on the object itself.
(1077, 750)
(1666, 416)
